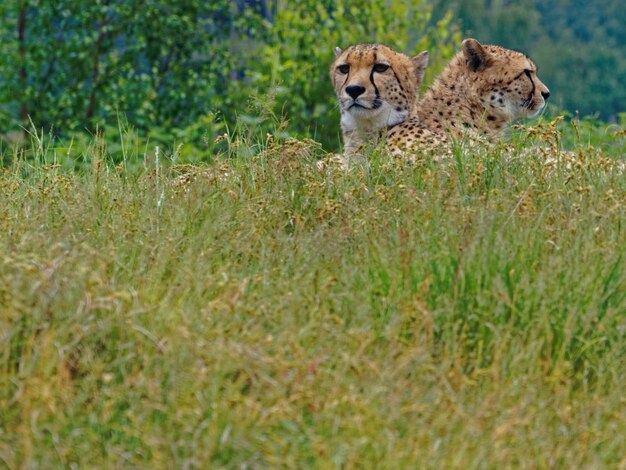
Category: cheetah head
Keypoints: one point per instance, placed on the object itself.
(505, 81)
(376, 87)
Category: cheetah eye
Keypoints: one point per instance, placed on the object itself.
(380, 68)
(344, 69)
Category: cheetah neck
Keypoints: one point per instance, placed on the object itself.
(451, 107)
(367, 130)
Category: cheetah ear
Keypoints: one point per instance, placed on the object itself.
(477, 57)
(337, 51)
(420, 62)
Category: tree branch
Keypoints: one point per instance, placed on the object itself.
(91, 108)
(23, 74)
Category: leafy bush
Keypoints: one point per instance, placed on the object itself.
(190, 70)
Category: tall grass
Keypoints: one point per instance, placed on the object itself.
(261, 313)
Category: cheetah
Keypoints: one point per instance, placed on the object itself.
(478, 94)
(376, 88)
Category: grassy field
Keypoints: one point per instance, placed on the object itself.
(266, 314)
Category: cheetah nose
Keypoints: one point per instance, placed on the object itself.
(355, 91)
(545, 94)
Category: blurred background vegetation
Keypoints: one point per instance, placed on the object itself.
(180, 73)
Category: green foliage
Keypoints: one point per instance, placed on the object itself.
(267, 314)
(83, 63)
(193, 69)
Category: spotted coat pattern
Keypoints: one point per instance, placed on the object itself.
(478, 94)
